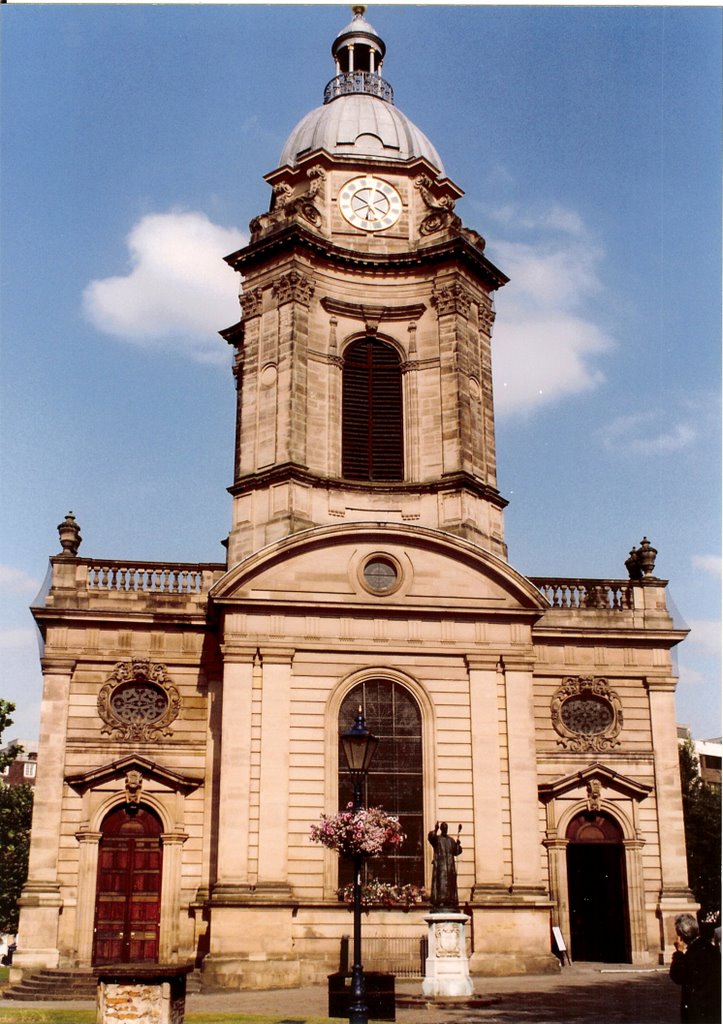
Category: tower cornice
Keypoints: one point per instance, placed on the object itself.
(290, 471)
(297, 239)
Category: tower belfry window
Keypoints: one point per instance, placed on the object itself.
(372, 435)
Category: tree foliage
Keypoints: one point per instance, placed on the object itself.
(6, 710)
(16, 811)
(702, 816)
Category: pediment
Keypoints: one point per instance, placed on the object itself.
(597, 772)
(119, 769)
(327, 566)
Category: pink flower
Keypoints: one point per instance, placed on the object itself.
(369, 831)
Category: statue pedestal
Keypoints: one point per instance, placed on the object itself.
(447, 971)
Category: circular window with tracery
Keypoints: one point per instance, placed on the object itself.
(381, 574)
(586, 714)
(138, 702)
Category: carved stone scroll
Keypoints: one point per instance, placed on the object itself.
(452, 298)
(586, 714)
(251, 302)
(293, 287)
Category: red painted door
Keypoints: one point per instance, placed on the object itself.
(128, 893)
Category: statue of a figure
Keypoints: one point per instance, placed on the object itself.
(444, 871)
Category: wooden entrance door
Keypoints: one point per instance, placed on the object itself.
(597, 890)
(128, 892)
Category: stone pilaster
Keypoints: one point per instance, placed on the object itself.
(274, 771)
(247, 398)
(89, 843)
(487, 777)
(293, 292)
(171, 881)
(675, 895)
(41, 902)
(235, 772)
(411, 405)
(559, 891)
(452, 300)
(639, 953)
(673, 864)
(524, 819)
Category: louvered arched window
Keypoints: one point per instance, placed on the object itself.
(372, 435)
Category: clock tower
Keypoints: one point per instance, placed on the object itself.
(362, 358)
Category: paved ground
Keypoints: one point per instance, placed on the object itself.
(580, 994)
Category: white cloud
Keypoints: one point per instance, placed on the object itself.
(17, 581)
(555, 218)
(546, 345)
(178, 294)
(646, 434)
(711, 564)
(706, 633)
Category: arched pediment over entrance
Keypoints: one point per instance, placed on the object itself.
(376, 564)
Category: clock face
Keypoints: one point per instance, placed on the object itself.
(370, 203)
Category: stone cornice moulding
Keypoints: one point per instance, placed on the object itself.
(298, 239)
(372, 313)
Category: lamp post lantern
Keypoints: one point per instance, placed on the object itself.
(359, 746)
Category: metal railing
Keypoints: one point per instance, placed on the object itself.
(368, 82)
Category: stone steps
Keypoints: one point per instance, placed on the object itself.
(57, 986)
(53, 986)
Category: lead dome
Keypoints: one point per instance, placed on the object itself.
(358, 117)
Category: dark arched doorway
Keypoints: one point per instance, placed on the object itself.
(128, 889)
(597, 889)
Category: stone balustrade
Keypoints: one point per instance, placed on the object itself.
(110, 579)
(154, 579)
(586, 595)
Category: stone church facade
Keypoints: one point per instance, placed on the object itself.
(191, 712)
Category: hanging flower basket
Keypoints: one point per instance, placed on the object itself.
(369, 832)
(383, 894)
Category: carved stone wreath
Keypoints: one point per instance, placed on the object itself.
(138, 702)
(586, 714)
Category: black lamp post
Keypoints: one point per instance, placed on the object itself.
(359, 746)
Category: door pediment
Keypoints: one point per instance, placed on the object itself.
(599, 773)
(120, 769)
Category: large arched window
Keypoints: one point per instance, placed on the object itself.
(395, 781)
(372, 435)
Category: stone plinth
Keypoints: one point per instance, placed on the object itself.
(141, 994)
(447, 971)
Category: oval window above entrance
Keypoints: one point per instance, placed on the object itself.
(587, 715)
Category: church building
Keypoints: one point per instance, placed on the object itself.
(191, 712)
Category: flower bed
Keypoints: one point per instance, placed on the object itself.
(384, 894)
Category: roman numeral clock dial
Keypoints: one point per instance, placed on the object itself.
(370, 204)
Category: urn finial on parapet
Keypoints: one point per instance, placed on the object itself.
(70, 539)
(646, 556)
(641, 561)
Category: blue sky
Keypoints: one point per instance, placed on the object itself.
(587, 140)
